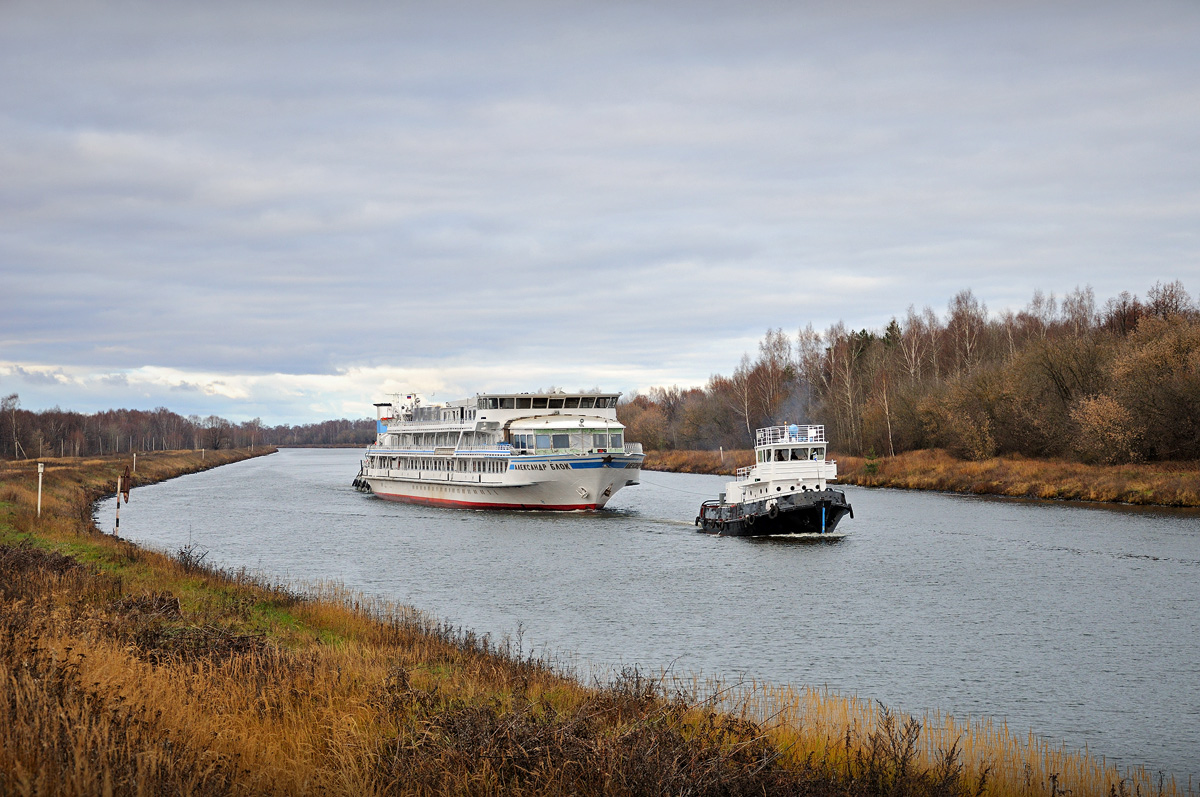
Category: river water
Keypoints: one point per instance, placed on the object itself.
(1079, 622)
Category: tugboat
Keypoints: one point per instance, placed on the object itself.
(785, 492)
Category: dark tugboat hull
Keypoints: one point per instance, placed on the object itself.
(812, 512)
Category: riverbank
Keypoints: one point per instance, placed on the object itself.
(1149, 484)
(715, 462)
(152, 672)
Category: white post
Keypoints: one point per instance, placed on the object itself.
(117, 530)
(202, 455)
(41, 470)
(135, 462)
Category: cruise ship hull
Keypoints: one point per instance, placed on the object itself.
(550, 485)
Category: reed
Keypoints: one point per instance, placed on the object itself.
(131, 671)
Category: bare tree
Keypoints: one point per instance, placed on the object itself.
(968, 317)
(1079, 310)
(9, 404)
(1167, 300)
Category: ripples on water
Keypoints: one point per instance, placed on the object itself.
(1080, 622)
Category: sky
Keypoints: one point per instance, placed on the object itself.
(289, 210)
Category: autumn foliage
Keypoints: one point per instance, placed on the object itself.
(1063, 379)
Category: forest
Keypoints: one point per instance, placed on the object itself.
(31, 435)
(1062, 377)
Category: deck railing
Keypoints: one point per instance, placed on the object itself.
(792, 433)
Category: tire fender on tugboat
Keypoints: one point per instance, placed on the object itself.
(773, 512)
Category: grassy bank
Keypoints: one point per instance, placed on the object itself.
(725, 463)
(1157, 484)
(132, 671)
(1162, 484)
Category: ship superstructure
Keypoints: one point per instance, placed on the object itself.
(553, 451)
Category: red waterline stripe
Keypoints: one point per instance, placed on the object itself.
(411, 499)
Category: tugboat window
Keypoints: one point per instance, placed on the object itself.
(507, 404)
(523, 403)
(601, 403)
(556, 404)
(539, 403)
(571, 403)
(587, 402)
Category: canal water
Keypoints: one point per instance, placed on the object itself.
(1081, 623)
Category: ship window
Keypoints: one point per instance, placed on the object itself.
(543, 441)
(615, 439)
(562, 441)
(571, 403)
(522, 403)
(600, 441)
(556, 404)
(482, 404)
(818, 453)
(587, 402)
(507, 404)
(539, 403)
(601, 402)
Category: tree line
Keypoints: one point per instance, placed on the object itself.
(26, 434)
(1059, 378)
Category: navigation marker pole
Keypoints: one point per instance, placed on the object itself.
(124, 485)
(41, 470)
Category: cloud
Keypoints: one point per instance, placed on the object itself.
(232, 194)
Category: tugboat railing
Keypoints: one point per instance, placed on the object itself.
(792, 433)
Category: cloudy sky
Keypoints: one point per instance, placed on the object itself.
(286, 210)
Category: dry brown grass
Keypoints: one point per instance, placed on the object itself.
(133, 672)
(1162, 483)
(698, 461)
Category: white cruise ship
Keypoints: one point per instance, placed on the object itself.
(559, 451)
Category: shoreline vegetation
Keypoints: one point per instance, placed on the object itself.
(1059, 382)
(129, 670)
(1169, 484)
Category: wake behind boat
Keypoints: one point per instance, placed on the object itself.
(785, 492)
(555, 451)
